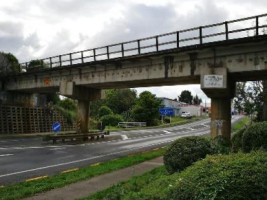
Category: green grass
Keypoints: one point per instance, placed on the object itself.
(26, 189)
(240, 124)
(134, 185)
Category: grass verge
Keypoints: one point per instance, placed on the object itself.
(134, 185)
(240, 124)
(26, 189)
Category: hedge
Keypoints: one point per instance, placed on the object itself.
(255, 137)
(183, 152)
(222, 177)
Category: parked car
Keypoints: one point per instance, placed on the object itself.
(186, 115)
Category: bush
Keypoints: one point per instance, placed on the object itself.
(104, 110)
(221, 145)
(255, 137)
(183, 152)
(37, 64)
(93, 124)
(68, 104)
(111, 120)
(232, 177)
(237, 140)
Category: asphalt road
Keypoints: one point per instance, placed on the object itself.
(25, 158)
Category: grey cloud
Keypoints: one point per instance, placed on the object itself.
(143, 21)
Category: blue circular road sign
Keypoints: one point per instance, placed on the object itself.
(56, 127)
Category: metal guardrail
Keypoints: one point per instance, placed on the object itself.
(131, 124)
(227, 30)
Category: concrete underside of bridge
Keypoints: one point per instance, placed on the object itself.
(217, 66)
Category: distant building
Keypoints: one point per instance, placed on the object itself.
(169, 103)
(180, 107)
(194, 110)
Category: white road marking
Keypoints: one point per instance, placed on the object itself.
(4, 155)
(166, 132)
(59, 148)
(124, 137)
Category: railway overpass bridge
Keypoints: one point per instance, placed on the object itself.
(215, 56)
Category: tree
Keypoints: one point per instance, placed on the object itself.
(197, 100)
(68, 104)
(37, 64)
(120, 100)
(186, 97)
(250, 98)
(104, 110)
(146, 108)
(9, 63)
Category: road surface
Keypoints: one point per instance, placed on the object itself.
(26, 158)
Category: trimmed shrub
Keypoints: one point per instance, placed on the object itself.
(183, 152)
(233, 177)
(255, 137)
(111, 120)
(221, 145)
(104, 110)
(237, 140)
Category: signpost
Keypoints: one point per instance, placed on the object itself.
(56, 127)
(166, 112)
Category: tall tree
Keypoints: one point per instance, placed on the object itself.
(249, 98)
(197, 100)
(186, 97)
(8, 63)
(146, 108)
(120, 100)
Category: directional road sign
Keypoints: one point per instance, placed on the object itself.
(166, 111)
(56, 127)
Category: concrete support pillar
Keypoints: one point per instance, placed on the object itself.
(221, 117)
(217, 85)
(83, 116)
(84, 95)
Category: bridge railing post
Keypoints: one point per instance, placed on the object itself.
(157, 43)
(257, 25)
(226, 30)
(138, 46)
(94, 54)
(82, 57)
(70, 58)
(178, 39)
(60, 62)
(50, 62)
(108, 52)
(200, 35)
(122, 50)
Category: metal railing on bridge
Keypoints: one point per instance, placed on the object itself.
(234, 29)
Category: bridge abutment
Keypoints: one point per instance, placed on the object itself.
(217, 85)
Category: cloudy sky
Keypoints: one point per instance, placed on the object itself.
(33, 29)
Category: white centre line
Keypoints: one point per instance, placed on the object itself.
(4, 155)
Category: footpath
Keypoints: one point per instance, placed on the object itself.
(85, 188)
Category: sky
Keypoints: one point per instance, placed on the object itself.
(33, 29)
